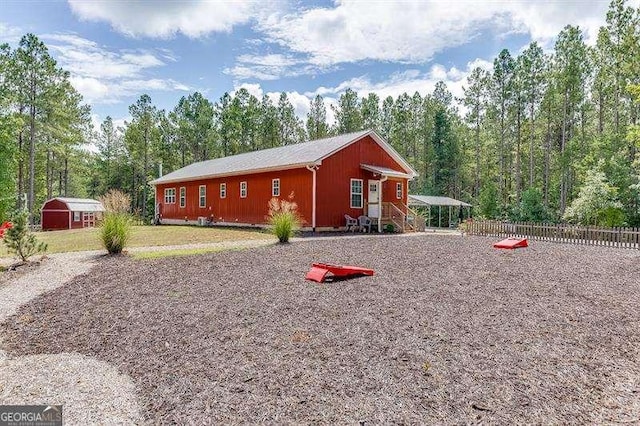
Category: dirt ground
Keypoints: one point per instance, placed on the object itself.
(449, 330)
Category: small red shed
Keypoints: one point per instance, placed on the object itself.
(70, 213)
(355, 174)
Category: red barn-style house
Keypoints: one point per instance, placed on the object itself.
(70, 213)
(355, 174)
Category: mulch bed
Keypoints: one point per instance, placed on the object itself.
(449, 330)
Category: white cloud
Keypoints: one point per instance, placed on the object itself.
(9, 33)
(253, 89)
(271, 67)
(402, 82)
(166, 18)
(106, 76)
(413, 31)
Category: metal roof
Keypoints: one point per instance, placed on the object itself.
(384, 171)
(431, 200)
(280, 158)
(81, 204)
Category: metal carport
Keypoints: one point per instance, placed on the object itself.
(429, 201)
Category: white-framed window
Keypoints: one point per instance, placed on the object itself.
(203, 196)
(223, 190)
(275, 187)
(399, 190)
(76, 216)
(183, 197)
(169, 195)
(356, 193)
(243, 189)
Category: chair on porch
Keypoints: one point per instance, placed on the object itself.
(352, 223)
(364, 222)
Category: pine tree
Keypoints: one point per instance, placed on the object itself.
(317, 127)
(475, 101)
(19, 240)
(347, 112)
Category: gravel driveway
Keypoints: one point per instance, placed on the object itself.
(449, 330)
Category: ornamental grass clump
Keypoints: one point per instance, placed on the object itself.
(283, 218)
(115, 231)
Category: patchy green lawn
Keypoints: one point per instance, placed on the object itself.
(142, 236)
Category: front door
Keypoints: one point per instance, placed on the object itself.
(373, 201)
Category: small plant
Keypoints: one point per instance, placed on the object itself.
(19, 240)
(283, 218)
(115, 231)
(116, 225)
(389, 228)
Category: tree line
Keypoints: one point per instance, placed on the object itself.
(543, 136)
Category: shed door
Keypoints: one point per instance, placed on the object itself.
(373, 200)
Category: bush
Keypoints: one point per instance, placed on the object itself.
(19, 240)
(597, 202)
(116, 226)
(116, 201)
(488, 201)
(283, 218)
(115, 231)
(531, 207)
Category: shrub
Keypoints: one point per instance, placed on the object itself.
(284, 218)
(488, 201)
(19, 240)
(597, 202)
(531, 208)
(115, 231)
(116, 226)
(116, 201)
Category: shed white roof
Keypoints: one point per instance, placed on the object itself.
(280, 158)
(431, 200)
(82, 204)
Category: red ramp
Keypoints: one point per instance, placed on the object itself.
(512, 243)
(319, 271)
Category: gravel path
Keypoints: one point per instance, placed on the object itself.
(448, 331)
(92, 391)
(53, 272)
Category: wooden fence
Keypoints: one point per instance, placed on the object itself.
(562, 233)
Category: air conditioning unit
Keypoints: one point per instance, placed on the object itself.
(202, 221)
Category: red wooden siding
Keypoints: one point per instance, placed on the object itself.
(334, 181)
(55, 220)
(55, 215)
(233, 209)
(333, 190)
(76, 224)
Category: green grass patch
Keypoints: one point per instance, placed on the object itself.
(141, 236)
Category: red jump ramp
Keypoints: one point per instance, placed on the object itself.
(319, 272)
(512, 243)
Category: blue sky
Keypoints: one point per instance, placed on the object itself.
(118, 50)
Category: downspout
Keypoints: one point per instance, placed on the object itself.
(156, 210)
(155, 205)
(313, 169)
(383, 179)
